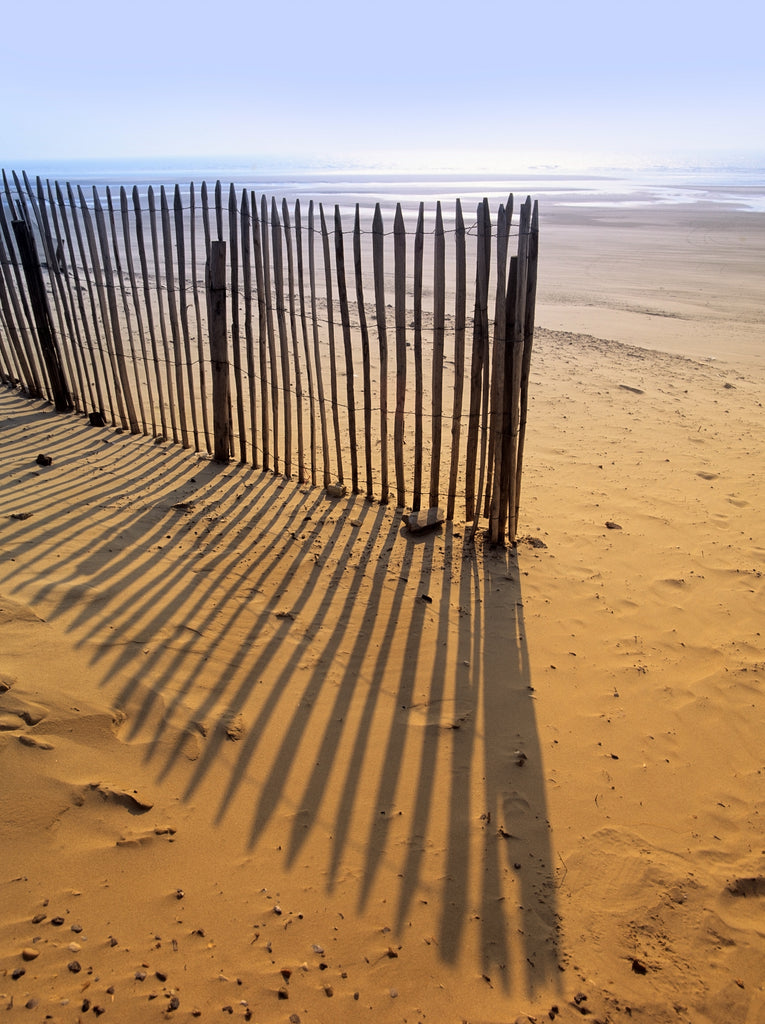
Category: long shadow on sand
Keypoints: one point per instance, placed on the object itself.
(345, 656)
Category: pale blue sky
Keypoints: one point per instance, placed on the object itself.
(463, 81)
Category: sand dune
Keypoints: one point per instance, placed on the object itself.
(267, 755)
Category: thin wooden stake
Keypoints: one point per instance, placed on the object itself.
(295, 345)
(216, 286)
(378, 265)
(78, 350)
(306, 346)
(399, 273)
(270, 326)
(257, 251)
(281, 320)
(345, 318)
(161, 310)
(316, 350)
(172, 307)
(233, 234)
(126, 308)
(97, 344)
(439, 315)
(518, 347)
(419, 243)
(528, 342)
(484, 262)
(460, 312)
(116, 330)
(141, 243)
(53, 256)
(198, 317)
(364, 351)
(137, 306)
(105, 317)
(472, 510)
(331, 331)
(180, 248)
(248, 339)
(498, 509)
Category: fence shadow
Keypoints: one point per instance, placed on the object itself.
(377, 684)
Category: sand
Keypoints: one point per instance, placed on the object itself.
(265, 755)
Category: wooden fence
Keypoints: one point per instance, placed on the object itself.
(239, 327)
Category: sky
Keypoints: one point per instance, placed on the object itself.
(452, 84)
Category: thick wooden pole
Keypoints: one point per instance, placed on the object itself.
(41, 312)
(19, 339)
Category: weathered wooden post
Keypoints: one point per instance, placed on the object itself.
(216, 295)
(33, 274)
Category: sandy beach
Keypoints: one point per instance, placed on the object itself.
(268, 756)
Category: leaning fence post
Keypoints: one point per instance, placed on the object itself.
(216, 295)
(46, 337)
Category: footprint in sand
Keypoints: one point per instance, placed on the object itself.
(138, 839)
(33, 741)
(130, 801)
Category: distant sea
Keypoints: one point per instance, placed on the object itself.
(737, 188)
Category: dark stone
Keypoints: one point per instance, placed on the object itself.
(96, 419)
